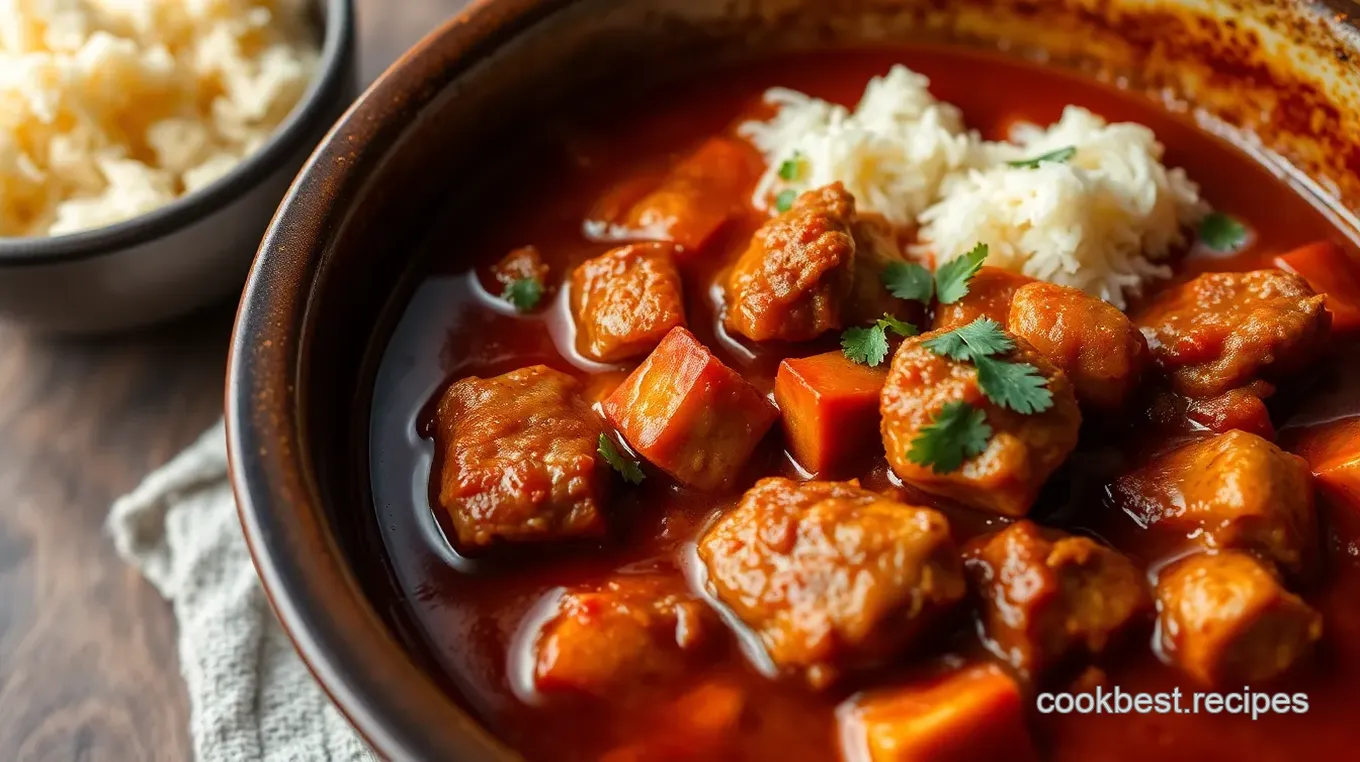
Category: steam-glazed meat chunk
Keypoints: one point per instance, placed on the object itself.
(989, 296)
(626, 300)
(1226, 620)
(519, 460)
(1023, 451)
(1088, 338)
(631, 630)
(1045, 595)
(1232, 491)
(1222, 330)
(976, 714)
(830, 576)
(790, 282)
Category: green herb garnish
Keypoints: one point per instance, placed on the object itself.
(524, 293)
(1222, 233)
(785, 200)
(869, 346)
(791, 167)
(959, 431)
(1018, 386)
(908, 280)
(952, 277)
(981, 338)
(628, 468)
(1059, 155)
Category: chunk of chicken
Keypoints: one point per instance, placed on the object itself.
(1088, 338)
(831, 577)
(1227, 621)
(690, 415)
(1223, 330)
(699, 196)
(989, 295)
(1231, 491)
(1023, 452)
(632, 630)
(1045, 595)
(976, 714)
(518, 459)
(626, 300)
(790, 283)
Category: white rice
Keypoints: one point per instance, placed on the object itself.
(1101, 221)
(891, 153)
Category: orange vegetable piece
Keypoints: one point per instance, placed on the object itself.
(1332, 450)
(1332, 272)
(699, 196)
(973, 715)
(829, 407)
(689, 414)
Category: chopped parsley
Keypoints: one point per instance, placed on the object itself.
(1222, 233)
(785, 199)
(908, 280)
(791, 167)
(952, 277)
(958, 432)
(628, 468)
(524, 293)
(869, 346)
(1018, 386)
(1059, 155)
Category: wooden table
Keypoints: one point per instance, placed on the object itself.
(87, 648)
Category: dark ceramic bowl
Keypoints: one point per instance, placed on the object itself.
(192, 252)
(331, 273)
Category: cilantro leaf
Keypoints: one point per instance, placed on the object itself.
(952, 277)
(866, 346)
(981, 338)
(1015, 385)
(785, 199)
(908, 280)
(959, 431)
(1222, 233)
(627, 467)
(791, 167)
(1057, 155)
(524, 293)
(899, 327)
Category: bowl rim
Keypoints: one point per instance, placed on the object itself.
(291, 136)
(394, 705)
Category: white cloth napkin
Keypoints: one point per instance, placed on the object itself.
(251, 698)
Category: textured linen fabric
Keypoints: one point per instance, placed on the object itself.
(252, 699)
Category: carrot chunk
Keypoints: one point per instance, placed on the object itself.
(973, 715)
(699, 196)
(689, 414)
(1332, 450)
(829, 407)
(1332, 272)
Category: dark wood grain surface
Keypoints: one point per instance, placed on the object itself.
(87, 648)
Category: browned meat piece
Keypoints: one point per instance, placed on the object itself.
(1046, 595)
(829, 576)
(989, 295)
(790, 282)
(1243, 409)
(1222, 330)
(1023, 451)
(1091, 341)
(1232, 491)
(876, 247)
(521, 264)
(632, 630)
(699, 196)
(1227, 622)
(519, 460)
(976, 714)
(626, 300)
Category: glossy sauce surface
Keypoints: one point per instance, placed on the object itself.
(473, 614)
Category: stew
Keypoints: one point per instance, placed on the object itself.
(645, 505)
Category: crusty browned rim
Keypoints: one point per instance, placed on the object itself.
(330, 85)
(343, 640)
